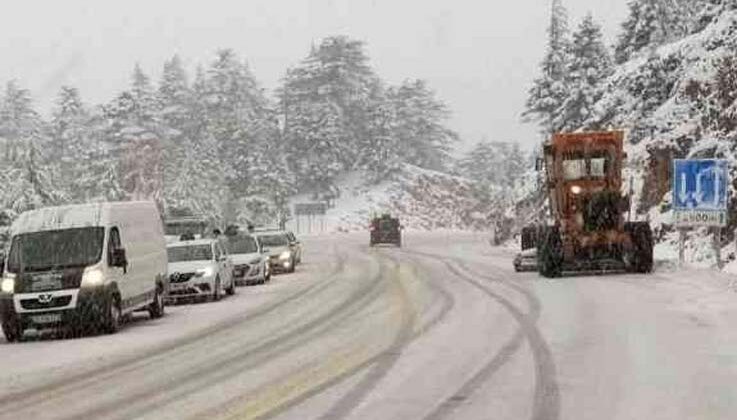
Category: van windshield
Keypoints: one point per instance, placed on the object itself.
(56, 249)
(189, 253)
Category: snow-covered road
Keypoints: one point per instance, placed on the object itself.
(441, 329)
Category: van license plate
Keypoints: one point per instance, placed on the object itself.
(46, 319)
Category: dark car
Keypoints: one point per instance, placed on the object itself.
(386, 230)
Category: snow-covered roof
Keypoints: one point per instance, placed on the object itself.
(69, 216)
(64, 217)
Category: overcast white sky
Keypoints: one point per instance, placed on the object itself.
(480, 55)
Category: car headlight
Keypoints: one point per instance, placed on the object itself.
(285, 255)
(205, 272)
(576, 190)
(92, 278)
(8, 284)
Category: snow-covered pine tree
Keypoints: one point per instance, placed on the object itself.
(238, 114)
(30, 179)
(516, 165)
(174, 95)
(336, 83)
(651, 23)
(72, 139)
(18, 120)
(420, 128)
(136, 136)
(197, 184)
(480, 163)
(381, 152)
(588, 67)
(549, 90)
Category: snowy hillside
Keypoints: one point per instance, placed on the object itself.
(668, 99)
(422, 199)
(670, 84)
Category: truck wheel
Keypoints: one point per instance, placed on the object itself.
(550, 253)
(156, 308)
(112, 316)
(13, 331)
(641, 254)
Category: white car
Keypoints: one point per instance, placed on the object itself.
(198, 269)
(250, 264)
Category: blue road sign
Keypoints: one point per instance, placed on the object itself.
(700, 191)
(700, 184)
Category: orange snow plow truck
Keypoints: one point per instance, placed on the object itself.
(587, 230)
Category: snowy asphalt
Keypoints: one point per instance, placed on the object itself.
(441, 329)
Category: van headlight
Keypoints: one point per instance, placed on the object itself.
(204, 272)
(285, 255)
(254, 262)
(92, 278)
(8, 284)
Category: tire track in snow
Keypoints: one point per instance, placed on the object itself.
(220, 370)
(546, 398)
(346, 404)
(448, 302)
(160, 353)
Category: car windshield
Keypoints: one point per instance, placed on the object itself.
(242, 245)
(274, 240)
(189, 253)
(55, 249)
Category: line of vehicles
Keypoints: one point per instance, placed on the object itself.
(85, 268)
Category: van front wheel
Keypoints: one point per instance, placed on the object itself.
(156, 308)
(12, 330)
(113, 315)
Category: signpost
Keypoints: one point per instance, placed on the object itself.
(700, 197)
(310, 210)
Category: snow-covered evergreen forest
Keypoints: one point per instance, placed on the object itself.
(670, 80)
(216, 143)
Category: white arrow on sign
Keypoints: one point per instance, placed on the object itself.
(699, 195)
(683, 195)
(716, 186)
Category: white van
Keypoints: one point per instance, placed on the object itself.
(84, 267)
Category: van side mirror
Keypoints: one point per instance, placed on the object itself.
(539, 164)
(119, 258)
